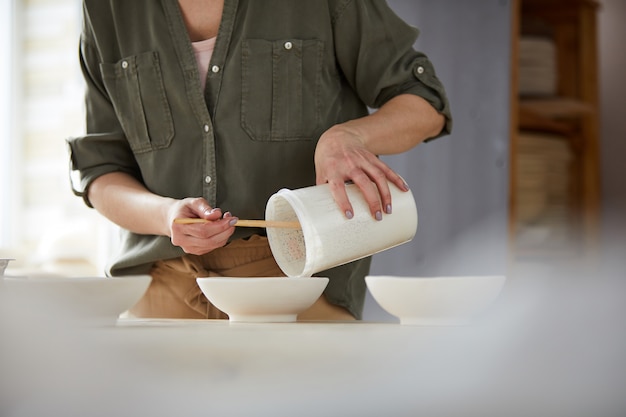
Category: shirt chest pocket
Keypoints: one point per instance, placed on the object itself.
(135, 86)
(281, 89)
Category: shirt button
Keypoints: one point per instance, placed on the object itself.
(288, 45)
(420, 70)
(208, 179)
(124, 64)
(206, 128)
(215, 69)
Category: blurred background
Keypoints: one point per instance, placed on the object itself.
(532, 173)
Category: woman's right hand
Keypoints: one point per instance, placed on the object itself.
(199, 238)
(128, 203)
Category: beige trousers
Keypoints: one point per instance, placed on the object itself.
(174, 292)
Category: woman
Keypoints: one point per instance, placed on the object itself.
(206, 108)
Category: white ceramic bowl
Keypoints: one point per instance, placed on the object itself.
(4, 262)
(90, 300)
(271, 299)
(435, 300)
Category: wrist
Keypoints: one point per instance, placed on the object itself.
(347, 132)
(166, 214)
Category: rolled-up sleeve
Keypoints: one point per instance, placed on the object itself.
(375, 51)
(104, 148)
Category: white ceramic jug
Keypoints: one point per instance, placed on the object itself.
(327, 238)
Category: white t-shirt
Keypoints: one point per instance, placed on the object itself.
(203, 51)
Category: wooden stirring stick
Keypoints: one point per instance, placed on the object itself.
(247, 223)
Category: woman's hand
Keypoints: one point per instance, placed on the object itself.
(126, 202)
(348, 151)
(341, 156)
(199, 238)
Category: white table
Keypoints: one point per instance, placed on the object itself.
(538, 354)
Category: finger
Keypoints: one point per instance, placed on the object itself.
(384, 194)
(201, 208)
(205, 235)
(319, 177)
(370, 193)
(181, 230)
(216, 241)
(211, 228)
(397, 180)
(338, 191)
(390, 177)
(199, 245)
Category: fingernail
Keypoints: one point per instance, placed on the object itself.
(388, 209)
(379, 216)
(227, 214)
(406, 185)
(233, 221)
(213, 210)
(349, 214)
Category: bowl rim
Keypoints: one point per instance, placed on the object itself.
(259, 279)
(433, 277)
(64, 279)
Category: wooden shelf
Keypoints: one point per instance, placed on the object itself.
(572, 112)
(556, 107)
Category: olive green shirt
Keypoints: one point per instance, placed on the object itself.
(282, 72)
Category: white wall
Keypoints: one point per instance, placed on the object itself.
(460, 182)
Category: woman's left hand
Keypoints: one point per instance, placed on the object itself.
(341, 156)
